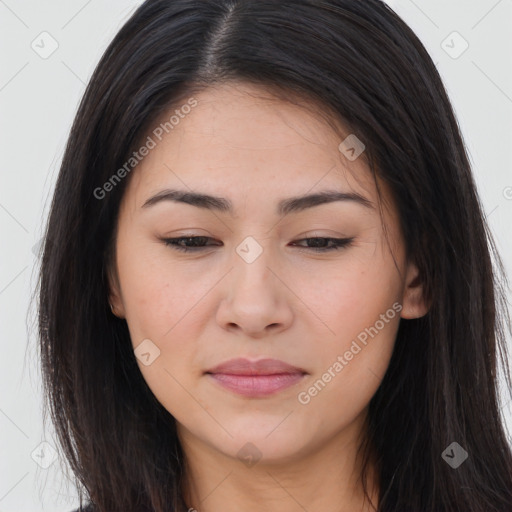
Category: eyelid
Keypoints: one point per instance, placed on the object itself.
(339, 243)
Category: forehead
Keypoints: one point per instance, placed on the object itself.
(239, 139)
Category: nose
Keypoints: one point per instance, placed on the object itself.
(256, 299)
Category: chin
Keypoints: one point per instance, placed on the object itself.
(264, 443)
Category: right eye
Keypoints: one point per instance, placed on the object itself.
(196, 243)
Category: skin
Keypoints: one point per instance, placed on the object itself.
(292, 303)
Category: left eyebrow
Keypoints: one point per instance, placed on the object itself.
(284, 206)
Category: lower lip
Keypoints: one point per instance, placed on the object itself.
(255, 386)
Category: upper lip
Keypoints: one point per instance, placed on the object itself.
(243, 366)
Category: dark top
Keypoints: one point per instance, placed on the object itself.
(86, 508)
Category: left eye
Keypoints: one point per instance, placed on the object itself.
(196, 243)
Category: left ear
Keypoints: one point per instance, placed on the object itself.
(114, 292)
(413, 301)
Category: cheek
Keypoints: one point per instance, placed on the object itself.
(162, 305)
(160, 308)
(350, 373)
(155, 295)
(352, 296)
(361, 306)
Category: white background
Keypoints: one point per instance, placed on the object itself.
(38, 101)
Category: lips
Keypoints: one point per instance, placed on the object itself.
(242, 366)
(255, 379)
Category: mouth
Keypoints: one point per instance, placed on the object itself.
(256, 379)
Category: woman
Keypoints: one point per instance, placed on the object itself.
(267, 282)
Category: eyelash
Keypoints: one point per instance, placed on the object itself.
(339, 243)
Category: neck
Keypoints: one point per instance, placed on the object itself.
(326, 477)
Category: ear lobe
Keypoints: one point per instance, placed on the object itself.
(413, 301)
(114, 296)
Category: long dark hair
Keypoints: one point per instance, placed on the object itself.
(363, 64)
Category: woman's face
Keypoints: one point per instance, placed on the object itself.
(260, 287)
